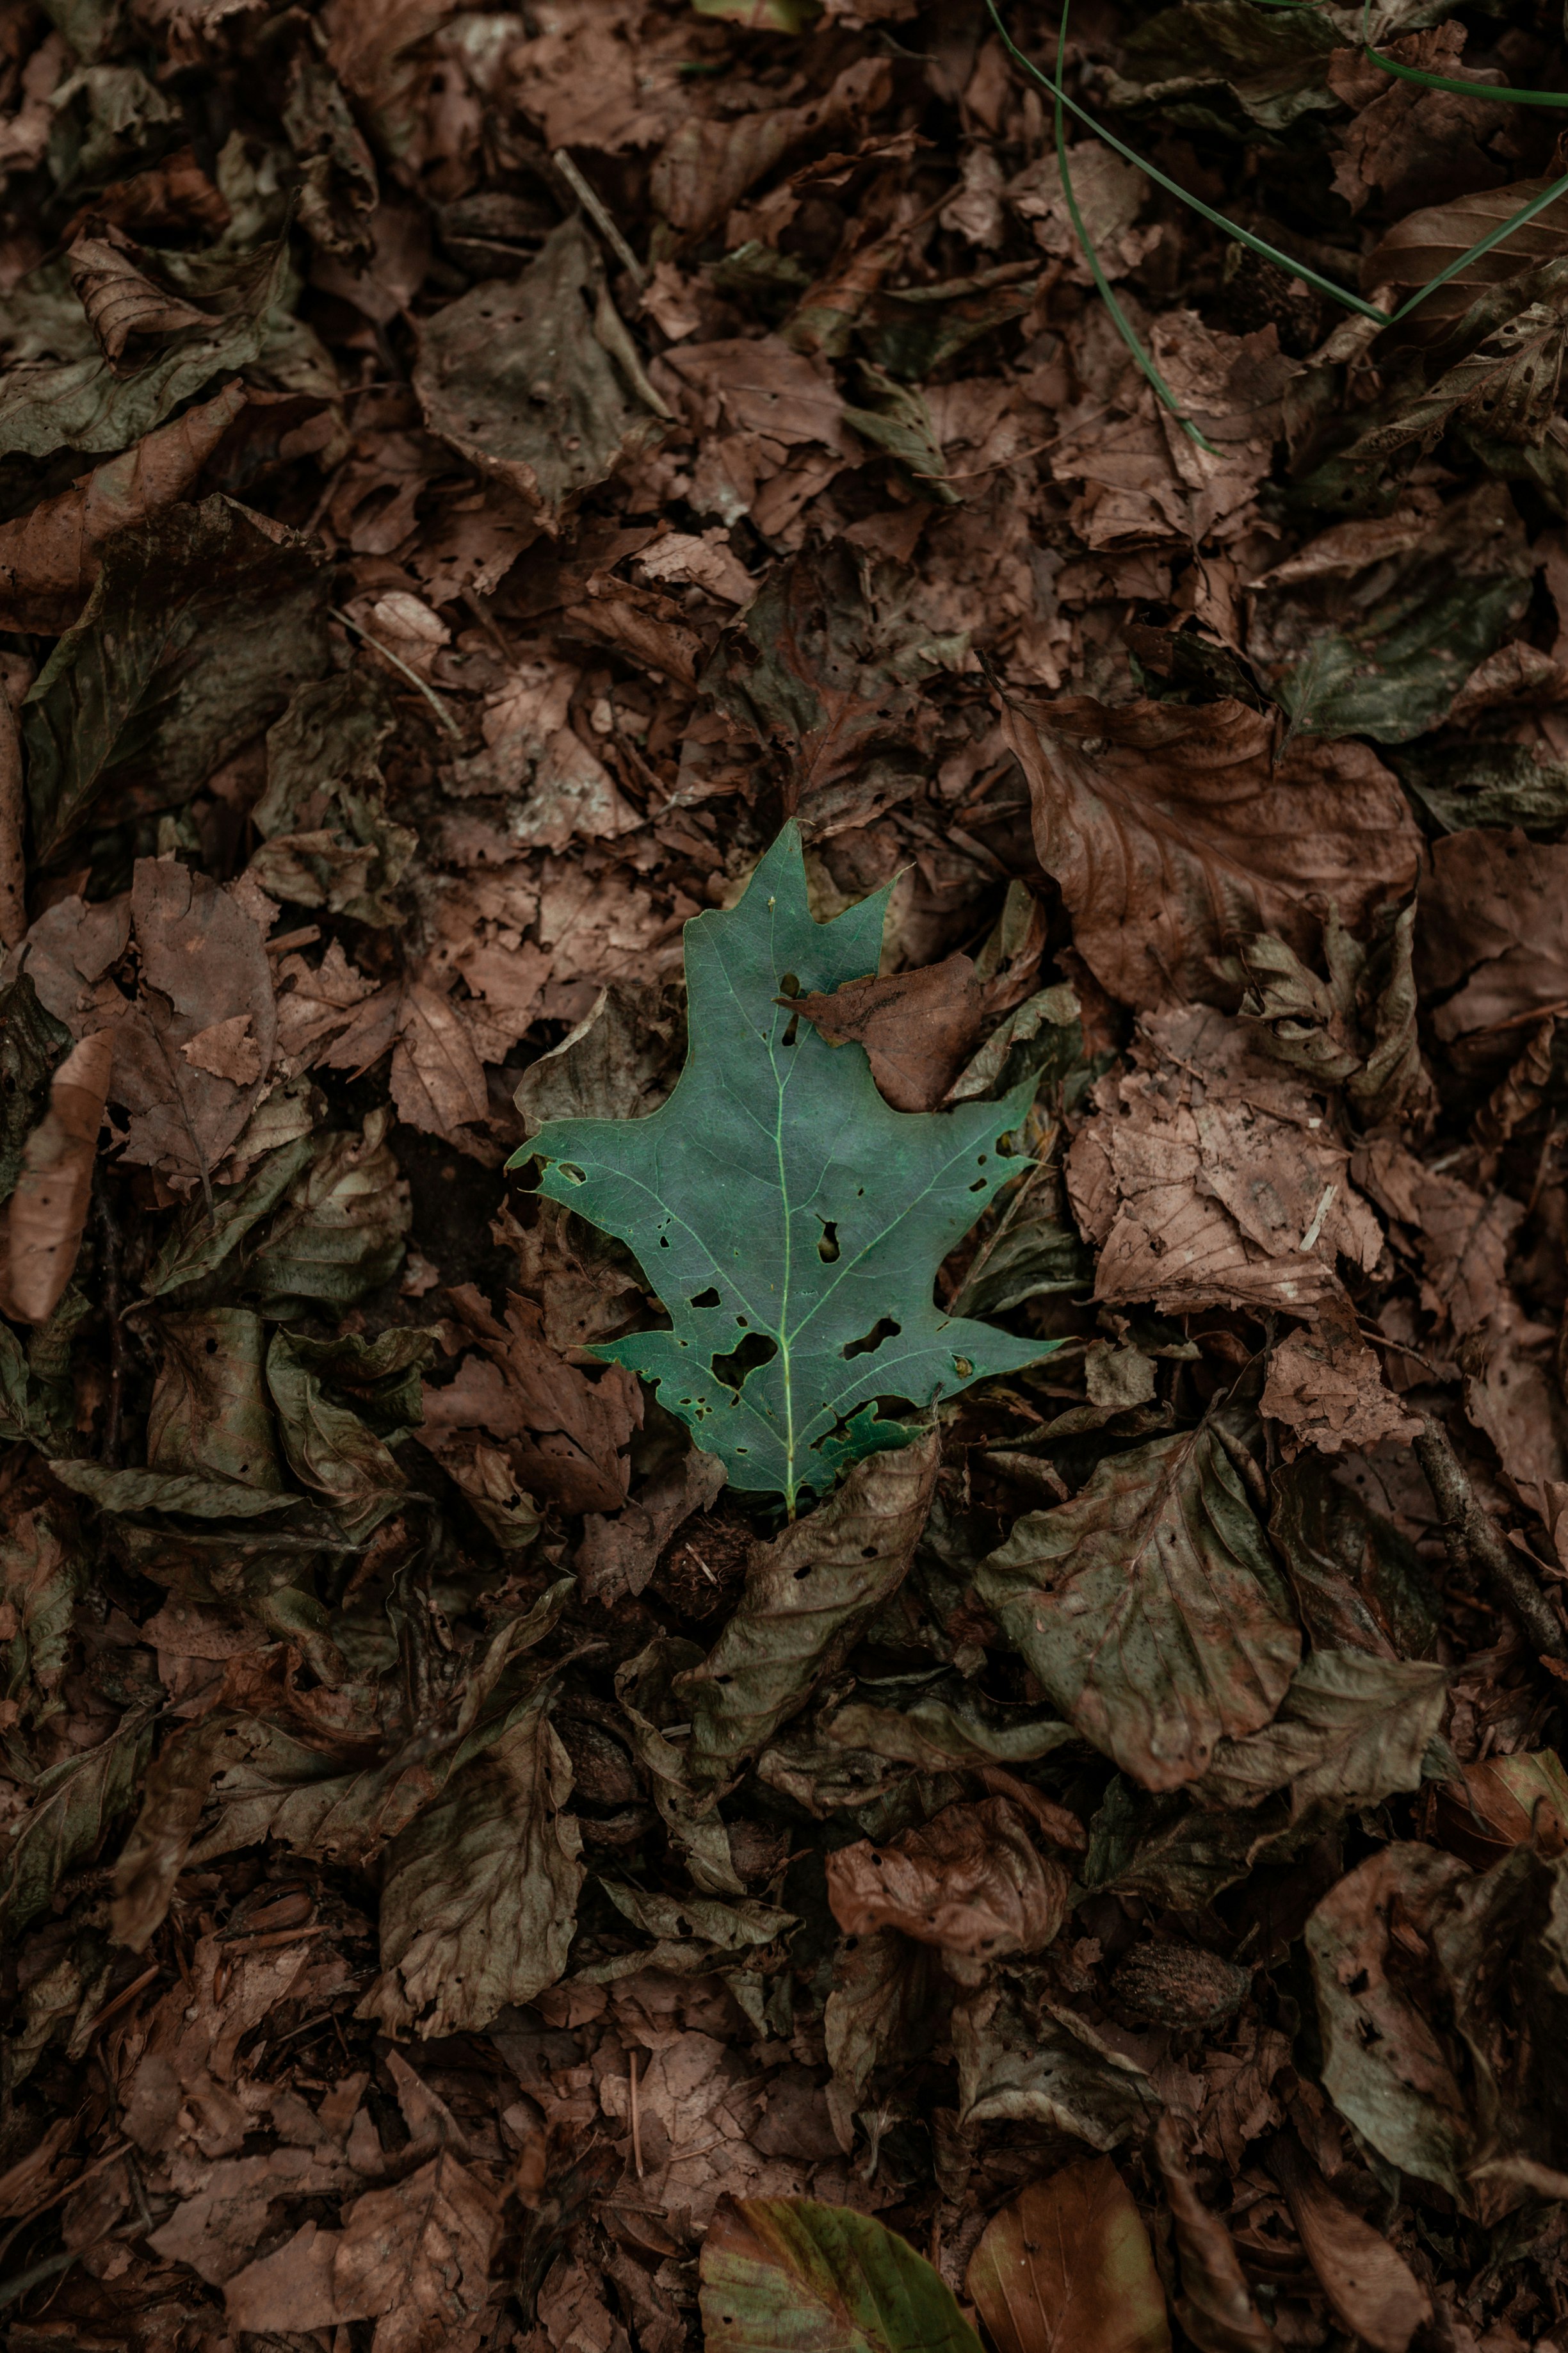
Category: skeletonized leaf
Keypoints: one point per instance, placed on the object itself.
(780, 2272)
(790, 1220)
(1068, 2268)
(1150, 1609)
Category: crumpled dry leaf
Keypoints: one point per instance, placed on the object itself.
(1150, 1609)
(1207, 1178)
(1326, 1386)
(414, 2258)
(480, 1896)
(567, 1436)
(972, 1880)
(1170, 829)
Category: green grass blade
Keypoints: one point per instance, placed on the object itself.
(1498, 236)
(1259, 245)
(1122, 322)
(1465, 89)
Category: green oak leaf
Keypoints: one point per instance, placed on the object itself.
(789, 1220)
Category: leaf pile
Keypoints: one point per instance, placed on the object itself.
(784, 1232)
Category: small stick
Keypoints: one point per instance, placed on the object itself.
(592, 203)
(431, 697)
(1472, 1541)
(636, 2113)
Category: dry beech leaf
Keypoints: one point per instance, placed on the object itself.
(1169, 830)
(48, 1208)
(971, 1880)
(1215, 2307)
(1371, 2289)
(1150, 1608)
(48, 557)
(1068, 2268)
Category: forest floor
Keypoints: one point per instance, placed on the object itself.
(467, 480)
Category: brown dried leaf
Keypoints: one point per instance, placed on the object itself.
(1207, 1178)
(48, 557)
(1327, 1387)
(1170, 830)
(1492, 931)
(1373, 2290)
(48, 1208)
(438, 1080)
(202, 965)
(919, 1029)
(1215, 2308)
(569, 1437)
(414, 2258)
(1068, 2268)
(120, 301)
(1415, 249)
(971, 1880)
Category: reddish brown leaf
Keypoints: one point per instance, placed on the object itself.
(48, 1208)
(1068, 2268)
(1170, 830)
(971, 1880)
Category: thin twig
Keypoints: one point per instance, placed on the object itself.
(431, 697)
(636, 2111)
(592, 203)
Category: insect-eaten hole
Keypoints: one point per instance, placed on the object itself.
(789, 985)
(755, 1349)
(884, 1328)
(572, 1175)
(827, 1247)
(709, 1298)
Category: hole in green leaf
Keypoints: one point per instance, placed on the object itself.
(828, 1248)
(755, 1349)
(572, 1175)
(884, 1328)
(709, 1298)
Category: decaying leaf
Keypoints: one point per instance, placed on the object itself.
(971, 1880)
(778, 2265)
(49, 1208)
(1150, 1609)
(538, 383)
(1169, 830)
(1068, 2263)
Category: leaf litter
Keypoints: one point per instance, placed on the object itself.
(781, 1204)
